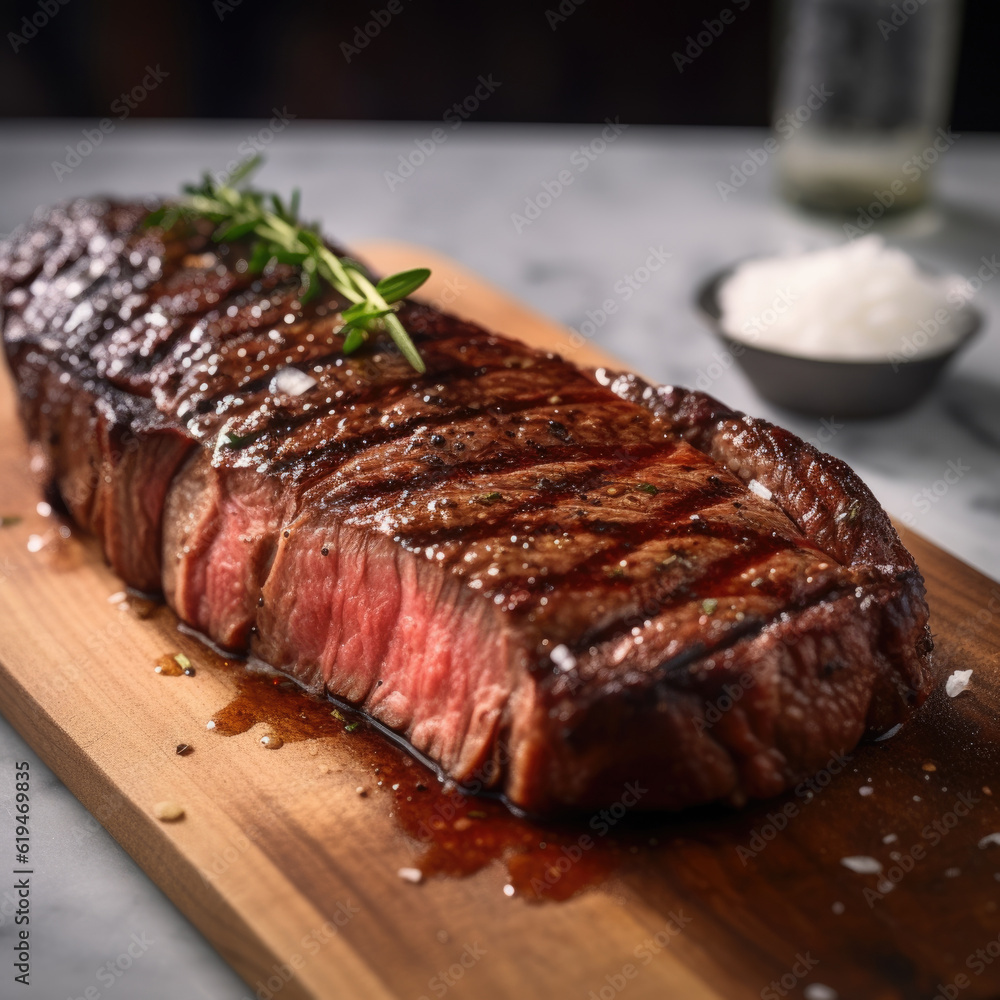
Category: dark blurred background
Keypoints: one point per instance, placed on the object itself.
(556, 60)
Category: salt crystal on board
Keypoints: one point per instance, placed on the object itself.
(957, 683)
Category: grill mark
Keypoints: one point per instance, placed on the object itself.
(258, 384)
(627, 535)
(715, 576)
(242, 295)
(353, 447)
(284, 287)
(674, 671)
(94, 333)
(173, 252)
(831, 592)
(440, 364)
(361, 492)
(653, 521)
(161, 353)
(126, 272)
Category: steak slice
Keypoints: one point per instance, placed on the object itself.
(553, 582)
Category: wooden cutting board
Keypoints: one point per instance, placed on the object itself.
(288, 860)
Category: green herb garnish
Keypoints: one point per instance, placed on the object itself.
(647, 488)
(489, 498)
(279, 235)
(234, 440)
(709, 605)
(351, 726)
(337, 714)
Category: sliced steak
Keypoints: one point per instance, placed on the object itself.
(551, 581)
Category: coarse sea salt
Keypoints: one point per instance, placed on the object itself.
(291, 381)
(861, 301)
(820, 991)
(957, 683)
(862, 864)
(563, 658)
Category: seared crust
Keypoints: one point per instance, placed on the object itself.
(649, 618)
(829, 504)
(760, 715)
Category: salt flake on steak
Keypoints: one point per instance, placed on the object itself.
(862, 864)
(563, 658)
(291, 381)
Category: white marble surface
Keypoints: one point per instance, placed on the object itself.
(650, 188)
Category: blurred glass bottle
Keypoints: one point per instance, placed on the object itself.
(863, 93)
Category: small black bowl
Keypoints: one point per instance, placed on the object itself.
(820, 387)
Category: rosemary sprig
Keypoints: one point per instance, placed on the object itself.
(279, 235)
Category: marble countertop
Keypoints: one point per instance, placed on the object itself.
(615, 198)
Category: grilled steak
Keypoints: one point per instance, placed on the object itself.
(551, 581)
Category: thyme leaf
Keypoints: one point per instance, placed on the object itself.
(279, 235)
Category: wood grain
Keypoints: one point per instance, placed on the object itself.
(293, 875)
